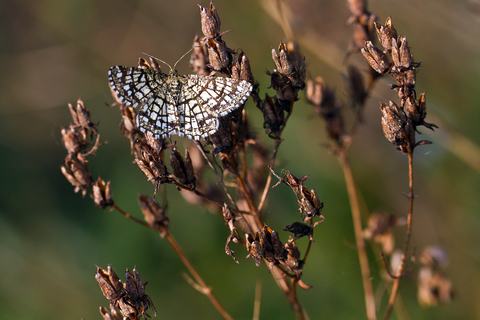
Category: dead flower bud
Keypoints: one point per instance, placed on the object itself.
(129, 119)
(299, 230)
(315, 91)
(386, 33)
(376, 58)
(380, 230)
(199, 58)
(72, 140)
(356, 87)
(241, 68)
(310, 204)
(416, 111)
(112, 315)
(182, 170)
(401, 57)
(81, 116)
(288, 67)
(154, 214)
(77, 173)
(293, 256)
(102, 194)
(273, 246)
(255, 249)
(433, 288)
(152, 167)
(110, 284)
(434, 257)
(218, 55)
(130, 297)
(136, 296)
(394, 124)
(210, 21)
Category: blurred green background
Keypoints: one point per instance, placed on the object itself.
(52, 52)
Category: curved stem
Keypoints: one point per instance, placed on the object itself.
(401, 269)
(359, 240)
(205, 289)
(199, 281)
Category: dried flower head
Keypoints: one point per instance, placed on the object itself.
(129, 298)
(396, 128)
(433, 288)
(102, 194)
(376, 58)
(154, 214)
(210, 21)
(255, 248)
(379, 228)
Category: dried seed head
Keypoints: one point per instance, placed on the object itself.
(102, 194)
(128, 120)
(81, 116)
(394, 124)
(376, 58)
(178, 167)
(154, 214)
(241, 68)
(199, 58)
(72, 140)
(77, 173)
(210, 21)
(315, 91)
(218, 55)
(289, 67)
(130, 297)
(386, 34)
(110, 284)
(380, 230)
(356, 87)
(360, 35)
(293, 256)
(255, 249)
(298, 229)
(433, 288)
(277, 245)
(401, 57)
(310, 204)
(112, 315)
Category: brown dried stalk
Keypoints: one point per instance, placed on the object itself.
(330, 110)
(399, 123)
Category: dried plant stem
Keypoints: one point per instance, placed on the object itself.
(130, 217)
(359, 240)
(401, 269)
(204, 288)
(256, 305)
(200, 284)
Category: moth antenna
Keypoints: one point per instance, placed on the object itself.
(182, 57)
(160, 60)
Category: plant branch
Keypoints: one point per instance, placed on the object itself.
(400, 271)
(359, 240)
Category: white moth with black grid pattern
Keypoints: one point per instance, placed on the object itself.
(171, 104)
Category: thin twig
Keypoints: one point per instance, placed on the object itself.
(411, 198)
(202, 286)
(359, 240)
